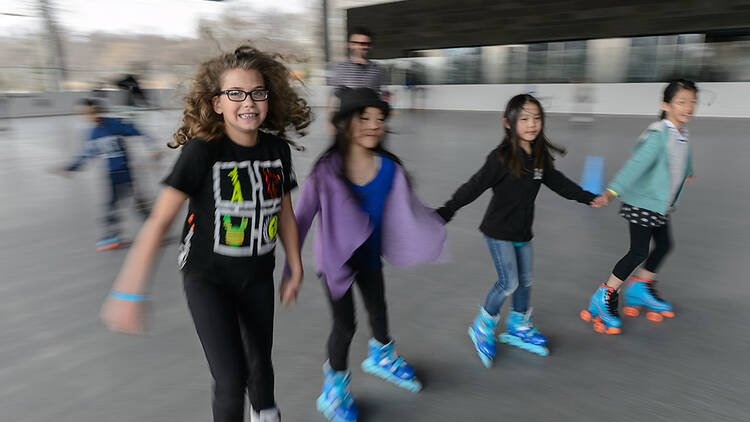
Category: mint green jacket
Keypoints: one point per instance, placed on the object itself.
(644, 181)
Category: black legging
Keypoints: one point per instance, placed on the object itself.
(371, 286)
(640, 239)
(235, 327)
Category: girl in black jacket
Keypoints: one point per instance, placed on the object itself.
(515, 171)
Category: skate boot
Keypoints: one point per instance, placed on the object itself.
(641, 292)
(109, 241)
(603, 311)
(482, 333)
(335, 400)
(271, 414)
(385, 363)
(522, 333)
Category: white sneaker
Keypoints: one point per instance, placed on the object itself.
(271, 414)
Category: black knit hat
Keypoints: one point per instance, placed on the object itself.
(353, 99)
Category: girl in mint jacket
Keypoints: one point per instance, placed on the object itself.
(649, 186)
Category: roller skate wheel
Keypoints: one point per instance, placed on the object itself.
(668, 314)
(601, 327)
(585, 315)
(631, 311)
(654, 316)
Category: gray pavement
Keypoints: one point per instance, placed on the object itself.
(58, 363)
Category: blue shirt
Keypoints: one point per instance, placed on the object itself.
(106, 140)
(372, 198)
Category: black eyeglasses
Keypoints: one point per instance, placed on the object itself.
(239, 95)
(362, 43)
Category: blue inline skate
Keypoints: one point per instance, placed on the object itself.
(335, 400)
(482, 333)
(385, 363)
(641, 292)
(522, 333)
(603, 311)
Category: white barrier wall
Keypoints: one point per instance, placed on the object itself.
(717, 99)
(34, 104)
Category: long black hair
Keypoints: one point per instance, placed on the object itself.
(674, 86)
(511, 154)
(342, 142)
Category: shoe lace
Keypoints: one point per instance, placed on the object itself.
(612, 302)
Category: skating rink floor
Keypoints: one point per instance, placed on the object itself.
(59, 363)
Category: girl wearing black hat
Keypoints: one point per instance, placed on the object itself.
(367, 210)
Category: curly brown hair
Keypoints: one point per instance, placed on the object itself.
(286, 109)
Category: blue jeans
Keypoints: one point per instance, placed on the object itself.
(513, 264)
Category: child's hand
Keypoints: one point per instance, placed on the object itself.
(123, 316)
(442, 212)
(599, 201)
(689, 179)
(289, 289)
(603, 199)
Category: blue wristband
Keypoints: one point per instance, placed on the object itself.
(127, 296)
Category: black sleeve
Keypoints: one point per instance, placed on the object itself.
(558, 182)
(290, 178)
(191, 168)
(491, 173)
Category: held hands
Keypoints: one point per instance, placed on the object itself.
(289, 288)
(603, 199)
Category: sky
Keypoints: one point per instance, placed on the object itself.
(172, 18)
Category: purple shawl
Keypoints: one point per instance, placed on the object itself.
(411, 232)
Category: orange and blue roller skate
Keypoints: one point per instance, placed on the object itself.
(602, 311)
(641, 293)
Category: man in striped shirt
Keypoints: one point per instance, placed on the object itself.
(357, 71)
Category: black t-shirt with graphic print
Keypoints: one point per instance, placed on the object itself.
(235, 194)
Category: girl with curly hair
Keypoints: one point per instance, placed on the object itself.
(236, 171)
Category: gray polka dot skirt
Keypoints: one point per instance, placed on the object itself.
(642, 216)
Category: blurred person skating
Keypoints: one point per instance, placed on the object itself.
(236, 171)
(357, 71)
(135, 97)
(107, 139)
(366, 210)
(514, 171)
(649, 186)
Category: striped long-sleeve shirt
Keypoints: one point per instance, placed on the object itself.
(355, 75)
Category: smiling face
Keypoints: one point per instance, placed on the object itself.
(680, 109)
(241, 119)
(529, 122)
(367, 128)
